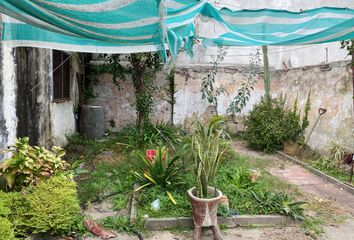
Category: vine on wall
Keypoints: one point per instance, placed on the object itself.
(142, 67)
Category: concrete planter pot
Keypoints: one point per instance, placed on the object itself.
(205, 213)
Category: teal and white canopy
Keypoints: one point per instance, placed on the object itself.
(125, 26)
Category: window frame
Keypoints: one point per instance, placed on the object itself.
(61, 77)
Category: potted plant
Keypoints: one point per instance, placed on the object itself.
(209, 146)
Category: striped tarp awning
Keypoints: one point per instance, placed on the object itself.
(125, 26)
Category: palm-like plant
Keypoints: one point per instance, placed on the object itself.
(160, 171)
(209, 146)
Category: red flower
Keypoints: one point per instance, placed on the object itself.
(150, 154)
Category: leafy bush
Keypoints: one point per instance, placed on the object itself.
(269, 125)
(28, 165)
(160, 171)
(6, 229)
(13, 207)
(53, 207)
(49, 207)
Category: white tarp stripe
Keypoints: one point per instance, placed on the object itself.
(116, 26)
(81, 48)
(173, 4)
(299, 32)
(116, 37)
(98, 7)
(189, 10)
(36, 22)
(223, 29)
(239, 20)
(178, 24)
(329, 37)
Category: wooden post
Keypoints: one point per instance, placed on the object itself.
(266, 72)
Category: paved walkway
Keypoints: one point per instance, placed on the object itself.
(310, 183)
(304, 179)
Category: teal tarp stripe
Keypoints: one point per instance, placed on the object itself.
(136, 25)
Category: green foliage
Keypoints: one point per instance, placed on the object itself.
(209, 147)
(159, 171)
(28, 165)
(53, 207)
(154, 135)
(171, 90)
(348, 45)
(335, 150)
(208, 89)
(244, 93)
(249, 197)
(269, 125)
(49, 207)
(6, 229)
(104, 179)
(305, 120)
(182, 208)
(143, 68)
(120, 223)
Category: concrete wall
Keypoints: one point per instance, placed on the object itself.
(330, 84)
(118, 104)
(26, 106)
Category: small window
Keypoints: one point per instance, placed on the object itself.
(61, 76)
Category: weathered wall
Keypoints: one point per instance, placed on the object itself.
(330, 84)
(118, 103)
(8, 88)
(26, 106)
(63, 113)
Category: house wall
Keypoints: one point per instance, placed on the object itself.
(26, 106)
(330, 85)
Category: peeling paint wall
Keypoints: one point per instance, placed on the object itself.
(330, 84)
(26, 106)
(8, 88)
(118, 104)
(62, 114)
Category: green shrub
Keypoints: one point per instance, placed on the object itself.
(49, 207)
(6, 229)
(53, 207)
(13, 207)
(269, 125)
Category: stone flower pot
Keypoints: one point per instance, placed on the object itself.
(205, 212)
